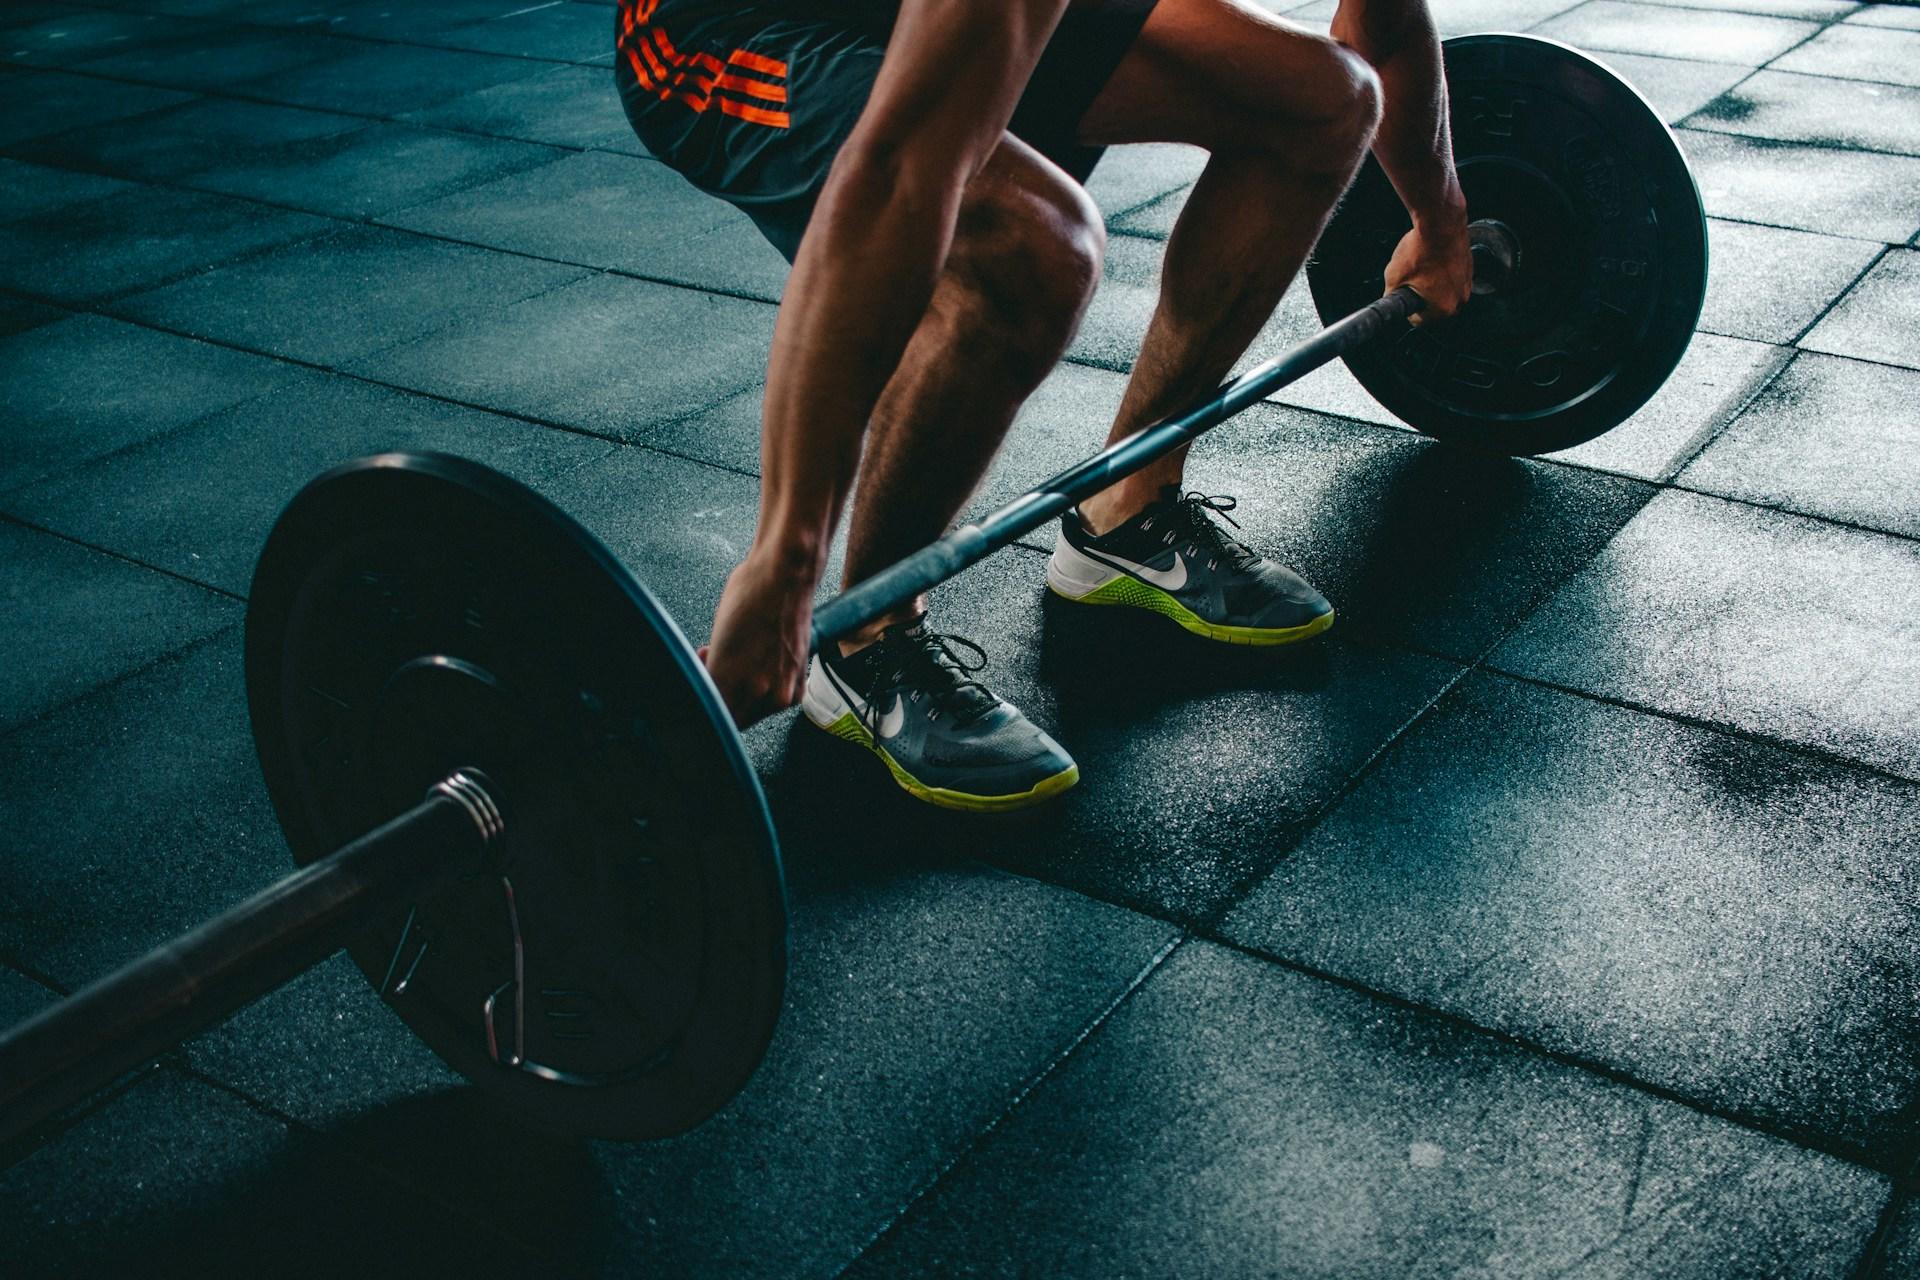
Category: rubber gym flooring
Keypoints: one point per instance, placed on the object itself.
(1555, 915)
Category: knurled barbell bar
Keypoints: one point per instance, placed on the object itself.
(586, 915)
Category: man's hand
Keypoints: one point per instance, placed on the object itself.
(1437, 264)
(761, 639)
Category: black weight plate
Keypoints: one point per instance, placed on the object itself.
(620, 974)
(1612, 265)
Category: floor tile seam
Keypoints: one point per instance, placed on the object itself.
(1555, 16)
(929, 1185)
(366, 379)
(1825, 144)
(1872, 1259)
(48, 1133)
(233, 93)
(1713, 429)
(21, 522)
(1297, 833)
(1805, 231)
(11, 959)
(1744, 13)
(307, 29)
(178, 1063)
(1804, 1138)
(1834, 302)
(1782, 509)
(124, 557)
(1754, 737)
(113, 682)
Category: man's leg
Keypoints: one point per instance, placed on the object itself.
(1287, 116)
(1024, 263)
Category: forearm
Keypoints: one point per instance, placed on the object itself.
(1413, 145)
(859, 287)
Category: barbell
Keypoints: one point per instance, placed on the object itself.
(513, 793)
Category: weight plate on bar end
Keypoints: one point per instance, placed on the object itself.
(621, 972)
(1611, 270)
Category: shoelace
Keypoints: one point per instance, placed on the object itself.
(918, 661)
(1194, 511)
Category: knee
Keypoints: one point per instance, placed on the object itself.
(1323, 122)
(1353, 94)
(1030, 257)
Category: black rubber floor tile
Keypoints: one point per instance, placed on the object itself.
(81, 618)
(326, 1051)
(48, 102)
(79, 35)
(563, 106)
(1859, 53)
(199, 502)
(607, 355)
(27, 190)
(17, 314)
(1769, 284)
(1636, 892)
(1842, 193)
(337, 298)
(1267, 1123)
(387, 79)
(1129, 177)
(1788, 627)
(374, 170)
(611, 211)
(170, 145)
(1676, 87)
(1701, 35)
(567, 32)
(215, 59)
(679, 525)
(1831, 438)
(1876, 320)
(86, 386)
(178, 1178)
(140, 813)
(1818, 110)
(918, 1005)
(139, 239)
(1713, 381)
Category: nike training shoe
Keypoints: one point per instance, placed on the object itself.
(1173, 559)
(911, 699)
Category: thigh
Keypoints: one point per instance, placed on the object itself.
(1209, 72)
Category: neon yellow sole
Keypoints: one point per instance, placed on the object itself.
(848, 727)
(1130, 591)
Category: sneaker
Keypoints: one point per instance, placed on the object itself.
(1173, 559)
(910, 698)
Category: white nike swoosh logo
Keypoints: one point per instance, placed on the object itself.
(1169, 579)
(891, 722)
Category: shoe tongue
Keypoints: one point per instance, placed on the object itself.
(957, 694)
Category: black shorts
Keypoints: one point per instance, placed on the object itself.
(752, 101)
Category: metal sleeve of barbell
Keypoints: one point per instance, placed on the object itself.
(973, 542)
(98, 1034)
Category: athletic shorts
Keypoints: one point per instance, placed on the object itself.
(752, 101)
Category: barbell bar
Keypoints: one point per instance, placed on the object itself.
(586, 913)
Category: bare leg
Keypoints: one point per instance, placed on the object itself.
(1287, 116)
(1025, 260)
